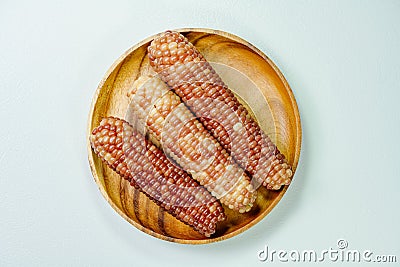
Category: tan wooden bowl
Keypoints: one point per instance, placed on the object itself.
(271, 101)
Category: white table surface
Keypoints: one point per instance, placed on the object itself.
(341, 59)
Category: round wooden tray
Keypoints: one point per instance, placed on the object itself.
(264, 90)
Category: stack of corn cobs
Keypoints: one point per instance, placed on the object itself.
(209, 151)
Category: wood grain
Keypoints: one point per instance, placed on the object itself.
(276, 111)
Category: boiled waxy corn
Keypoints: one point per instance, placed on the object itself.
(141, 163)
(186, 71)
(188, 143)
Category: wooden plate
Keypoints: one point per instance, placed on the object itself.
(261, 87)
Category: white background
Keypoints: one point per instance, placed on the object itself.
(341, 59)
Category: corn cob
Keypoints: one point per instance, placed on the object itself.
(187, 72)
(135, 159)
(189, 144)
